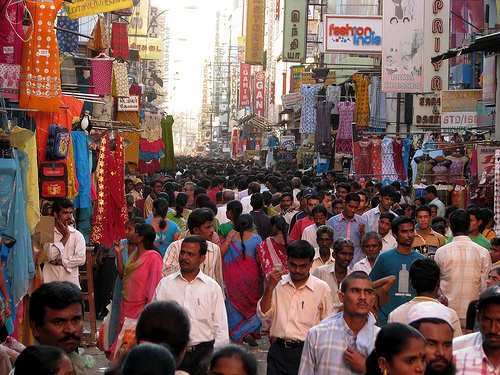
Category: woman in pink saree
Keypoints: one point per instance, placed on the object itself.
(272, 251)
(141, 274)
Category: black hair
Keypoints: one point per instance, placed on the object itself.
(205, 183)
(281, 224)
(300, 250)
(128, 181)
(287, 195)
(352, 197)
(61, 203)
(208, 204)
(437, 219)
(161, 208)
(152, 183)
(242, 184)
(315, 197)
(236, 208)
(56, 295)
(449, 210)
(400, 220)
(180, 202)
(148, 234)
(344, 185)
(439, 228)
(201, 200)
(244, 223)
(423, 208)
(236, 351)
(424, 275)
(431, 189)
(337, 201)
(253, 187)
(194, 238)
(387, 215)
(257, 201)
(148, 359)
(356, 275)
(136, 220)
(167, 323)
(392, 340)
(375, 201)
(387, 191)
(39, 360)
(475, 211)
(495, 241)
(459, 222)
(421, 200)
(199, 191)
(319, 208)
(396, 185)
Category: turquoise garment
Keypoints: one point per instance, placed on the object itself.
(146, 157)
(13, 222)
(165, 236)
(82, 168)
(117, 300)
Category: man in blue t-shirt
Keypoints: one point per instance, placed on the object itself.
(397, 262)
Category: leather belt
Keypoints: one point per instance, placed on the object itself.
(289, 343)
(199, 346)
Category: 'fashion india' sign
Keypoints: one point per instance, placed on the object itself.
(362, 34)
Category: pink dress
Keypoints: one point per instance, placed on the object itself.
(364, 167)
(377, 158)
(397, 147)
(343, 142)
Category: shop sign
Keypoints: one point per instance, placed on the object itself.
(306, 78)
(149, 48)
(244, 84)
(154, 26)
(295, 77)
(460, 100)
(82, 8)
(485, 159)
(436, 41)
(288, 142)
(458, 119)
(241, 48)
(353, 34)
(402, 47)
(260, 84)
(427, 109)
(254, 37)
(489, 78)
(295, 31)
(292, 100)
(139, 21)
(129, 103)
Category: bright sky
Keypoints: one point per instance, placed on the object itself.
(192, 34)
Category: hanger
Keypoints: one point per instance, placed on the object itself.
(102, 54)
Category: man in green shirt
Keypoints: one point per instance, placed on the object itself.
(476, 219)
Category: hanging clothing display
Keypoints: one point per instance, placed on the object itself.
(132, 151)
(67, 42)
(364, 167)
(168, 161)
(308, 117)
(407, 143)
(11, 44)
(68, 72)
(333, 95)
(40, 75)
(119, 40)
(151, 129)
(120, 79)
(102, 70)
(323, 135)
(457, 166)
(103, 111)
(378, 109)
(388, 169)
(82, 168)
(99, 41)
(377, 158)
(362, 113)
(397, 147)
(20, 265)
(110, 215)
(343, 142)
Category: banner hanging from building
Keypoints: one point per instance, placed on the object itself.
(254, 38)
(260, 84)
(489, 80)
(353, 34)
(149, 48)
(82, 8)
(295, 76)
(244, 84)
(402, 47)
(295, 31)
(139, 20)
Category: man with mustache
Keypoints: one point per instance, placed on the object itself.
(434, 321)
(56, 319)
(483, 358)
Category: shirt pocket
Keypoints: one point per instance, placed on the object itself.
(200, 310)
(306, 313)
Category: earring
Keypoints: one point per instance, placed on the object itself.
(384, 371)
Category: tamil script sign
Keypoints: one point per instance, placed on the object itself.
(82, 8)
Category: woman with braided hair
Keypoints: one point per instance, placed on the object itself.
(166, 230)
(272, 251)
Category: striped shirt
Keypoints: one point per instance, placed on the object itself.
(473, 360)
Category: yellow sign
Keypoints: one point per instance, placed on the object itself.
(254, 38)
(139, 20)
(306, 78)
(82, 8)
(149, 48)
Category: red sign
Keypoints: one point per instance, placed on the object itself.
(244, 84)
(260, 78)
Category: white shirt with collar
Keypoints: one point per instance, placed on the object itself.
(318, 262)
(372, 216)
(327, 274)
(388, 242)
(203, 300)
(221, 214)
(441, 209)
(363, 265)
(294, 311)
(245, 202)
(72, 256)
(309, 235)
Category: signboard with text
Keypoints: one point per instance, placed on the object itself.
(353, 34)
(244, 84)
(260, 84)
(295, 31)
(129, 103)
(149, 48)
(489, 80)
(460, 100)
(82, 8)
(254, 37)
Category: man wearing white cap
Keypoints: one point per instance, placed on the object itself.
(424, 278)
(433, 321)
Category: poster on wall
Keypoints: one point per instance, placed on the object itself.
(402, 46)
(489, 79)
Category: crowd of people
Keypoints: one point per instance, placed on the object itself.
(342, 278)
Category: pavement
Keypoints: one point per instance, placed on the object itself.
(102, 363)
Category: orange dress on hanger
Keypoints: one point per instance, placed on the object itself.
(40, 74)
(362, 113)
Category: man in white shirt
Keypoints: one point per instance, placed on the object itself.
(202, 298)
(430, 194)
(67, 252)
(371, 243)
(253, 188)
(319, 215)
(200, 222)
(227, 196)
(387, 194)
(294, 303)
(324, 253)
(384, 229)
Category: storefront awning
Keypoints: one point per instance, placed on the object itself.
(349, 66)
(487, 43)
(256, 123)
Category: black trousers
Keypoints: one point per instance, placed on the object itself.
(283, 361)
(196, 362)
